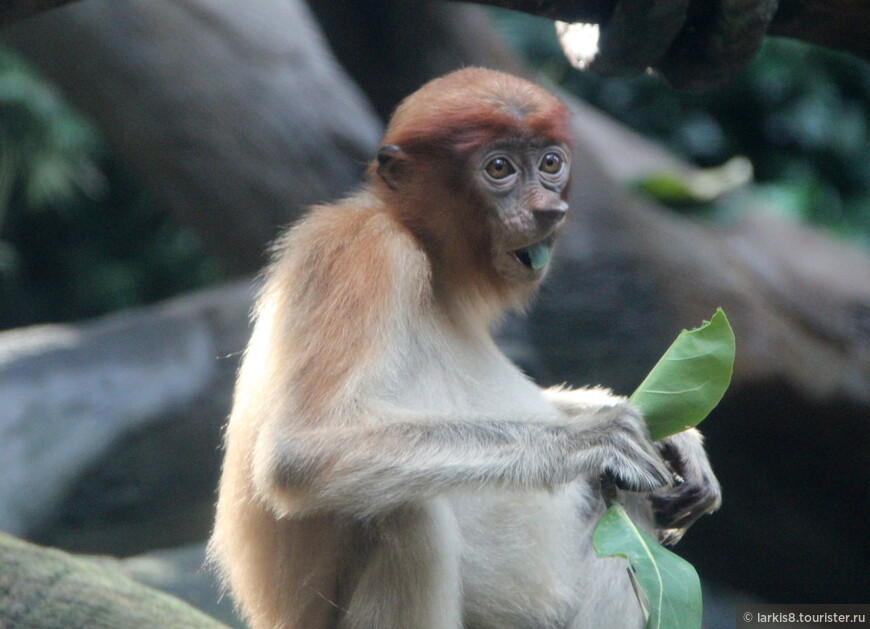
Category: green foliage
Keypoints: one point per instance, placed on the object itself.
(689, 380)
(46, 148)
(697, 189)
(670, 586)
(77, 237)
(801, 114)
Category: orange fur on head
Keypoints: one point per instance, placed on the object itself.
(437, 129)
(474, 107)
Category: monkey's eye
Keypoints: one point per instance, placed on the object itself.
(551, 164)
(499, 168)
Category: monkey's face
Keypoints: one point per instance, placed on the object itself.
(525, 185)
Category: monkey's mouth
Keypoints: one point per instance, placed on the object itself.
(537, 255)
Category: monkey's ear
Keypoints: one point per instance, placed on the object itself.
(392, 162)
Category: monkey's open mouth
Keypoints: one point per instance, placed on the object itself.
(536, 256)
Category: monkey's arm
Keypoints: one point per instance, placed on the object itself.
(369, 469)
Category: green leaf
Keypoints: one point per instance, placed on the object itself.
(670, 189)
(697, 187)
(679, 392)
(689, 380)
(669, 583)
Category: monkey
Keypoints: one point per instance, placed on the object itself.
(385, 465)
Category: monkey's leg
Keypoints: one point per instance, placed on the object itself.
(407, 571)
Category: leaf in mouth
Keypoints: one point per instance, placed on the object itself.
(535, 256)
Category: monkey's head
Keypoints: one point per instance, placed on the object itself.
(477, 164)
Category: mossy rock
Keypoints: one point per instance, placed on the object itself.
(43, 588)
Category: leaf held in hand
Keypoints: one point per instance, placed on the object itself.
(680, 391)
(670, 584)
(689, 380)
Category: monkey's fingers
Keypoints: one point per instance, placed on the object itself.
(669, 537)
(634, 469)
(676, 510)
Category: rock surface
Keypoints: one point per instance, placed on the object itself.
(110, 430)
(43, 588)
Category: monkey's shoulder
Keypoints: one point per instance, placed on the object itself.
(351, 245)
(355, 221)
(342, 280)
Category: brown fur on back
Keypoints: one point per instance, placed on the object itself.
(328, 293)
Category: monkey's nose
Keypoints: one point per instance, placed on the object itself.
(549, 217)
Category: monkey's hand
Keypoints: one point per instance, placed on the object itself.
(615, 439)
(696, 492)
(629, 457)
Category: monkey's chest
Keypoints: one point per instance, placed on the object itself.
(445, 378)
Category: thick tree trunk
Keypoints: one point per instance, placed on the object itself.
(234, 116)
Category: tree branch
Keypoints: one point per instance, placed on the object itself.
(591, 11)
(838, 24)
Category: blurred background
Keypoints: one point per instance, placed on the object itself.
(150, 151)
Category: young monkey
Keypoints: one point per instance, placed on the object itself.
(386, 466)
